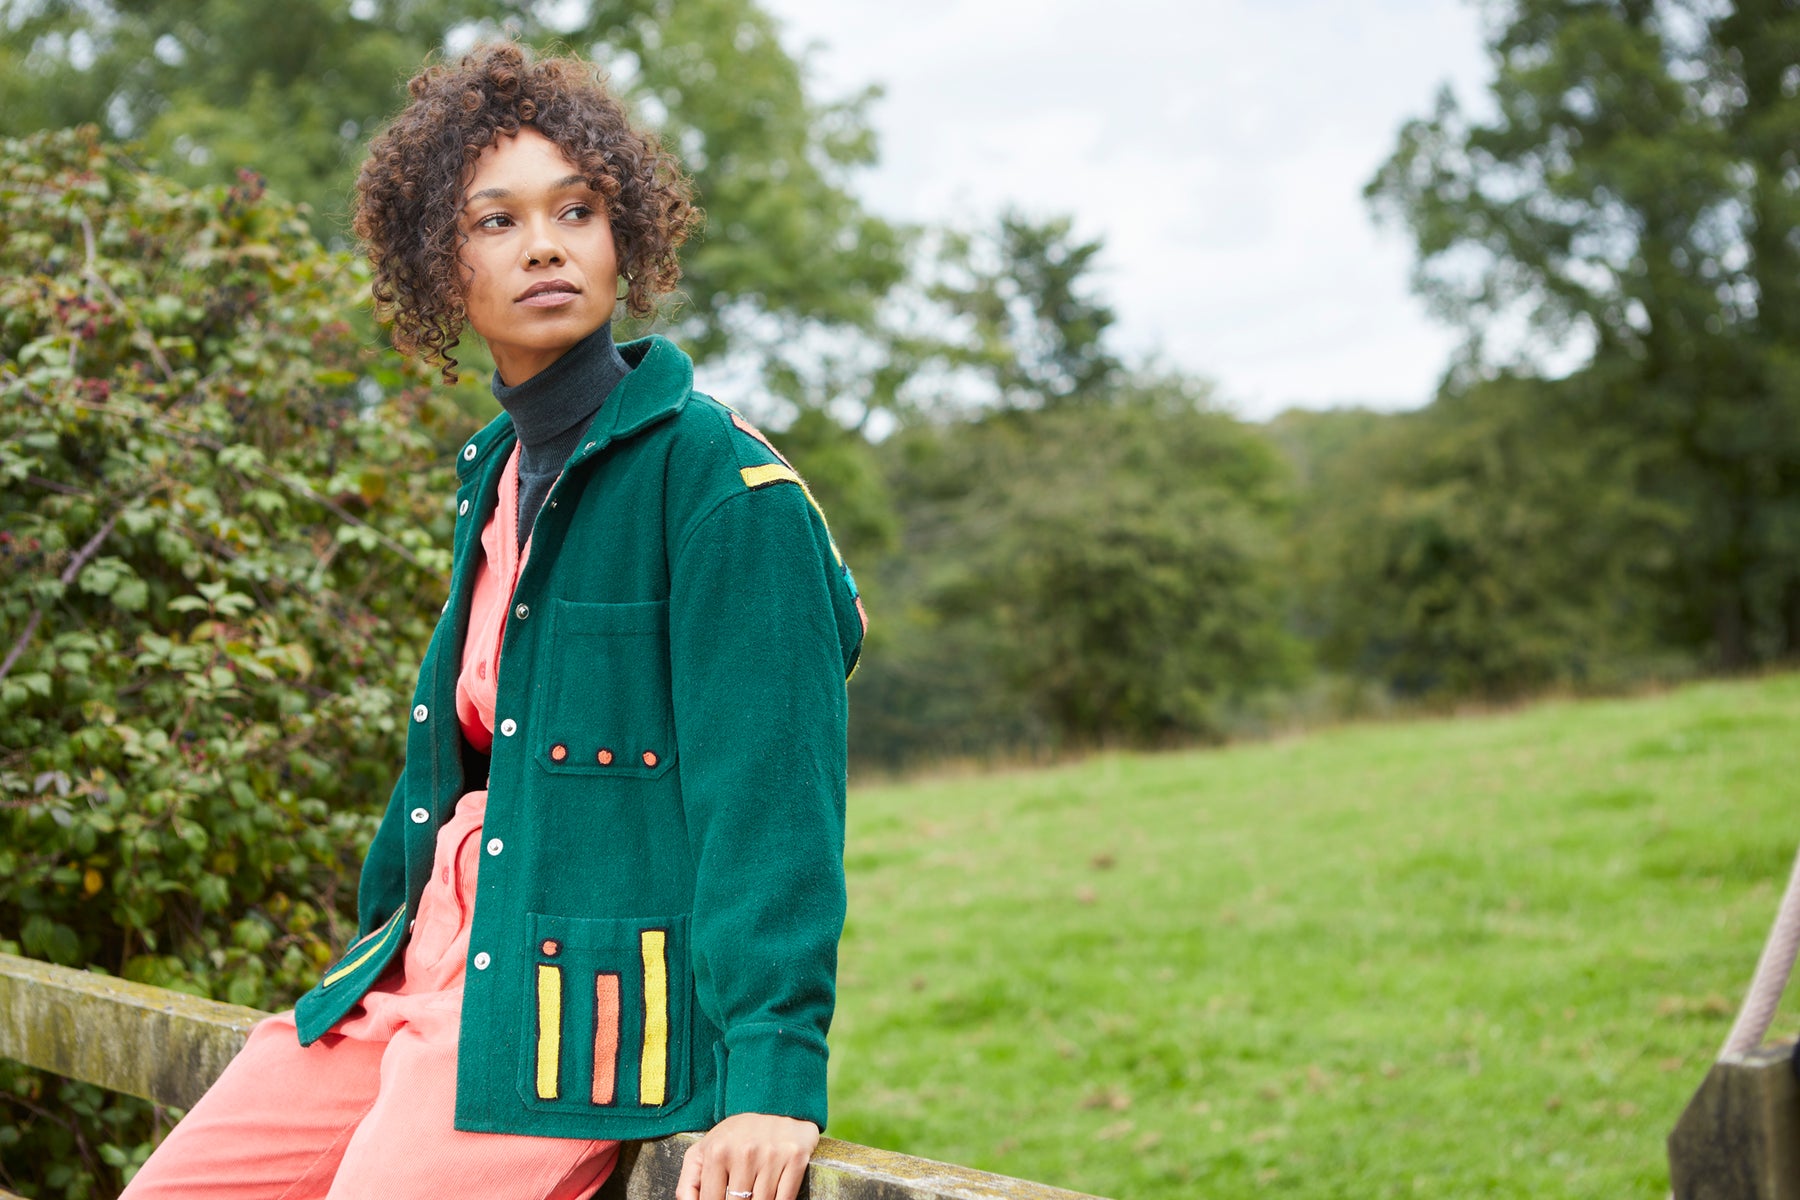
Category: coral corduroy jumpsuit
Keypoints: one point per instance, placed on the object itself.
(367, 1111)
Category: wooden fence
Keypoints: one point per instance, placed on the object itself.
(169, 1047)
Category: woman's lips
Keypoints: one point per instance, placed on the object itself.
(552, 293)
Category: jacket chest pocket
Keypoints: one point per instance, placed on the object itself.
(604, 707)
(608, 1025)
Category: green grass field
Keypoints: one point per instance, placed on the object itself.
(1489, 956)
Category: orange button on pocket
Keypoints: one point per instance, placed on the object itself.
(604, 758)
(551, 947)
(649, 758)
(558, 752)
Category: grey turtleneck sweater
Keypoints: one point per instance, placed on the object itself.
(551, 411)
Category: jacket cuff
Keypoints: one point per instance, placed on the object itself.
(775, 1069)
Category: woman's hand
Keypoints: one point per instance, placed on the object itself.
(749, 1156)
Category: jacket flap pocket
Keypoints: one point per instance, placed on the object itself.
(604, 702)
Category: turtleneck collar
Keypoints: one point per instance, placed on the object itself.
(551, 410)
(563, 396)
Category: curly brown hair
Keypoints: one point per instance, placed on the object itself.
(410, 189)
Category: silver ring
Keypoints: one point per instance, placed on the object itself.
(739, 1195)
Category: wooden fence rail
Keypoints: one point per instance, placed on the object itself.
(169, 1047)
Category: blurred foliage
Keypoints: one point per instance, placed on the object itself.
(1636, 194)
(215, 85)
(1483, 546)
(222, 533)
(1073, 576)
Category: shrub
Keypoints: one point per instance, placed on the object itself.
(222, 526)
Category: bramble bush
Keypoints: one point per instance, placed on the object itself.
(223, 532)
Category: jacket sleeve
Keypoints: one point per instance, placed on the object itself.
(758, 661)
(382, 885)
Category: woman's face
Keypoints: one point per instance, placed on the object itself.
(539, 268)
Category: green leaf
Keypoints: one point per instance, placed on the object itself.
(132, 595)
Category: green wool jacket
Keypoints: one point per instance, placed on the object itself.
(654, 944)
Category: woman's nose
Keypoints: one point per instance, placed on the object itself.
(541, 249)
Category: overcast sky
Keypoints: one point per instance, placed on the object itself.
(1218, 147)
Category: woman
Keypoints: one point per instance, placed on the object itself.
(605, 899)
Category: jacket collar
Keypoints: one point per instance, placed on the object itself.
(661, 378)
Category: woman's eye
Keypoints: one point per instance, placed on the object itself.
(494, 221)
(579, 212)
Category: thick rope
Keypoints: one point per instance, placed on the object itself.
(1772, 972)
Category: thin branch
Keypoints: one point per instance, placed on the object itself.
(93, 273)
(52, 485)
(87, 551)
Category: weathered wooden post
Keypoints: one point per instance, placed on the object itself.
(1739, 1137)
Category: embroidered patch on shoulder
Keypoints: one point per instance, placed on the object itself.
(781, 472)
(763, 476)
(758, 434)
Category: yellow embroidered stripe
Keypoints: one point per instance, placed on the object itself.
(653, 1072)
(375, 943)
(763, 476)
(549, 1033)
(755, 477)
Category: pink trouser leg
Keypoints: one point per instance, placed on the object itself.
(406, 1146)
(351, 1119)
(273, 1127)
(368, 1113)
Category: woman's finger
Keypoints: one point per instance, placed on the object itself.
(715, 1177)
(687, 1187)
(793, 1174)
(750, 1180)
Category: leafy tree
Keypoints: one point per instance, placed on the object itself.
(1488, 545)
(1031, 326)
(1078, 575)
(1637, 193)
(215, 85)
(222, 530)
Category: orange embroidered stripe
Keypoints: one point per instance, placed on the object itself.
(387, 927)
(606, 1037)
(753, 431)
